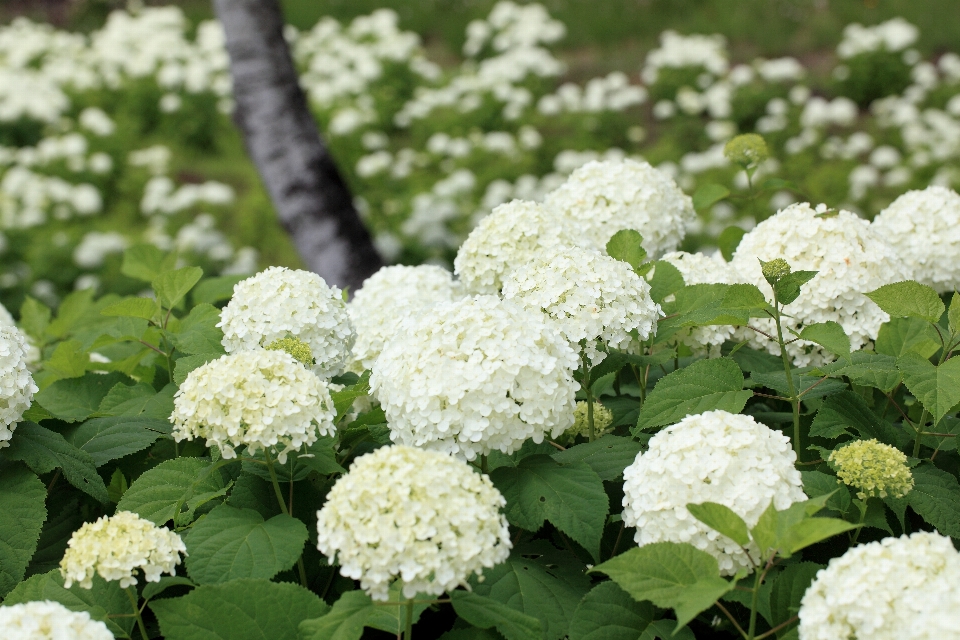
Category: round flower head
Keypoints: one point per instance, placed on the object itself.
(16, 383)
(876, 469)
(46, 620)
(279, 303)
(895, 589)
(115, 547)
(504, 241)
(717, 457)
(420, 516)
(591, 296)
(924, 226)
(747, 150)
(390, 296)
(476, 375)
(261, 399)
(602, 419)
(601, 198)
(850, 258)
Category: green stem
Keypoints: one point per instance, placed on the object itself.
(483, 464)
(863, 517)
(919, 427)
(136, 613)
(788, 370)
(752, 630)
(591, 433)
(408, 634)
(283, 509)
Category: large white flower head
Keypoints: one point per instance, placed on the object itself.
(924, 226)
(116, 546)
(421, 516)
(504, 241)
(46, 620)
(390, 296)
(280, 302)
(16, 383)
(711, 457)
(895, 589)
(261, 399)
(591, 297)
(476, 375)
(851, 259)
(601, 198)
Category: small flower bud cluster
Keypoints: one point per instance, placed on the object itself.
(299, 349)
(876, 469)
(602, 419)
(774, 270)
(747, 150)
(46, 620)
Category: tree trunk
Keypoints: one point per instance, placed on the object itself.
(281, 136)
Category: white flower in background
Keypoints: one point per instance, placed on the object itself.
(476, 375)
(924, 226)
(893, 35)
(678, 51)
(851, 258)
(390, 296)
(591, 296)
(96, 246)
(16, 383)
(96, 121)
(46, 620)
(711, 457)
(601, 198)
(422, 517)
(114, 547)
(895, 589)
(280, 302)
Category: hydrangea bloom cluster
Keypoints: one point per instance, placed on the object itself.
(299, 349)
(420, 516)
(280, 302)
(894, 589)
(602, 419)
(711, 457)
(116, 546)
(476, 375)
(876, 469)
(601, 198)
(924, 226)
(261, 399)
(16, 383)
(851, 259)
(390, 296)
(46, 620)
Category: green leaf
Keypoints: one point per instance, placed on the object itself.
(77, 399)
(172, 286)
(788, 589)
(319, 456)
(953, 315)
(846, 410)
(345, 621)
(163, 491)
(829, 335)
(747, 297)
(118, 486)
(393, 619)
(246, 609)
(232, 543)
(485, 613)
(728, 241)
(723, 519)
(908, 299)
(216, 289)
(199, 332)
(787, 288)
(71, 310)
(866, 369)
(937, 388)
(183, 366)
(44, 450)
(901, 336)
(625, 245)
(671, 575)
(22, 498)
(34, 319)
(705, 385)
(607, 456)
(68, 360)
(817, 483)
(123, 397)
(609, 613)
(708, 195)
(936, 498)
(152, 589)
(145, 261)
(810, 531)
(808, 385)
(107, 439)
(343, 399)
(666, 280)
(786, 530)
(699, 305)
(145, 308)
(570, 496)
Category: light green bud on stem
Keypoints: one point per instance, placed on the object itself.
(747, 150)
(774, 270)
(876, 469)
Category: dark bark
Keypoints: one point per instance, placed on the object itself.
(281, 136)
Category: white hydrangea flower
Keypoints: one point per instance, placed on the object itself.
(895, 589)
(476, 375)
(261, 399)
(924, 226)
(601, 198)
(421, 516)
(851, 258)
(504, 241)
(16, 383)
(46, 620)
(390, 296)
(280, 302)
(116, 546)
(717, 457)
(591, 296)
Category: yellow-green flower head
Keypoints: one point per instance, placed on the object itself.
(876, 469)
(602, 419)
(774, 270)
(299, 349)
(747, 150)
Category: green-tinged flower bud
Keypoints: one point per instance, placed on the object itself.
(876, 469)
(747, 150)
(297, 348)
(774, 270)
(602, 419)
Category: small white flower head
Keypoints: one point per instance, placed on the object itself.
(504, 241)
(261, 399)
(115, 547)
(390, 296)
(924, 226)
(591, 296)
(421, 516)
(851, 258)
(278, 303)
(476, 375)
(46, 620)
(16, 383)
(717, 457)
(895, 589)
(601, 198)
